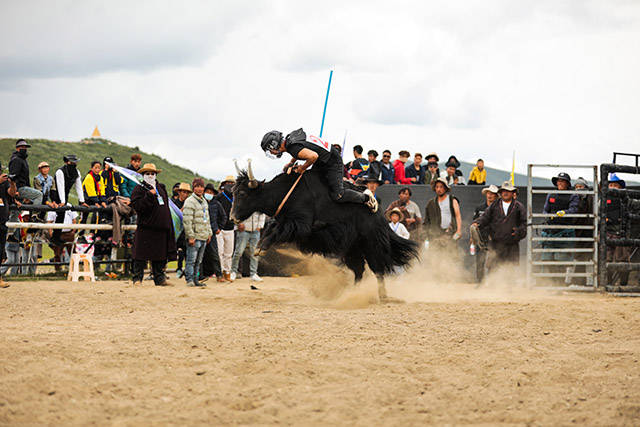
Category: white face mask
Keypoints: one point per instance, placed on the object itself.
(150, 179)
(208, 196)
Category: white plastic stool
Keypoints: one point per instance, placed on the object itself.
(74, 267)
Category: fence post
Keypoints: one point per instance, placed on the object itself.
(602, 248)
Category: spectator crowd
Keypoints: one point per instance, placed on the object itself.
(209, 245)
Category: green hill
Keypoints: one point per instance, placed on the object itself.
(89, 150)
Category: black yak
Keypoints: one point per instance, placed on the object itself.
(315, 224)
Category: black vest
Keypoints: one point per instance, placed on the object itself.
(70, 176)
(613, 210)
(560, 202)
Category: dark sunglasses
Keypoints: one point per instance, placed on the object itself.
(386, 156)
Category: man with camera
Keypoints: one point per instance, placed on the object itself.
(8, 190)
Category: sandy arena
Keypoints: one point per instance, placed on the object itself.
(298, 351)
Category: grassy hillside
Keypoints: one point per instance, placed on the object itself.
(52, 152)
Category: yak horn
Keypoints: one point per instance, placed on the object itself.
(252, 180)
(235, 162)
(250, 170)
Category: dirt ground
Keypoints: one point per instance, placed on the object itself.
(303, 351)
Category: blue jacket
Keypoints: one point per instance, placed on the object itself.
(388, 173)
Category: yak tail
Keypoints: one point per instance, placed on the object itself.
(403, 251)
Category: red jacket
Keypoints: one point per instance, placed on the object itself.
(398, 167)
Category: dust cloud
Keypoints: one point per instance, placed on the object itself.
(434, 277)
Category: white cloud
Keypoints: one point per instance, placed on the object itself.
(201, 83)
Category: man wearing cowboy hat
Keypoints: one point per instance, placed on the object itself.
(226, 236)
(506, 222)
(480, 237)
(560, 204)
(614, 230)
(154, 237)
(442, 220)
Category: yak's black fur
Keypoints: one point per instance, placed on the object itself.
(316, 224)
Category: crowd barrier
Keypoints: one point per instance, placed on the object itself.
(54, 226)
(630, 228)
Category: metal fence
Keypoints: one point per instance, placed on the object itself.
(629, 228)
(537, 267)
(41, 227)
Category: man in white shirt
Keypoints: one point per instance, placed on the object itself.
(248, 233)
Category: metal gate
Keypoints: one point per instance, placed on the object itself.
(536, 222)
(628, 237)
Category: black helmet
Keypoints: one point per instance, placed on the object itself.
(271, 141)
(107, 159)
(70, 158)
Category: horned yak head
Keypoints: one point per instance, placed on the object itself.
(246, 193)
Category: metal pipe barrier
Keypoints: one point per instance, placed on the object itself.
(56, 226)
(534, 251)
(629, 205)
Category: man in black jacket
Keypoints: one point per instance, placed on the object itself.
(19, 173)
(154, 239)
(506, 222)
(218, 218)
(225, 238)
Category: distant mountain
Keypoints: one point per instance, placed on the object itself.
(498, 176)
(89, 150)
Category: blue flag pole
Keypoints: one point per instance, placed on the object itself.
(326, 99)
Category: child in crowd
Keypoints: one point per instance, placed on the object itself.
(395, 216)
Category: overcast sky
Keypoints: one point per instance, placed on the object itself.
(200, 82)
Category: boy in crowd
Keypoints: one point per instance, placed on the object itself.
(395, 217)
(478, 174)
(43, 183)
